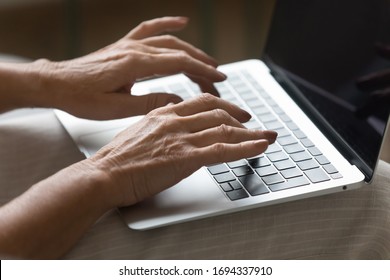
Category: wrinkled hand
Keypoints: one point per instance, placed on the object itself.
(97, 86)
(173, 142)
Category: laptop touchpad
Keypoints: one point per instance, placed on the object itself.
(91, 143)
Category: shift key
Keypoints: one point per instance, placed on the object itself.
(253, 184)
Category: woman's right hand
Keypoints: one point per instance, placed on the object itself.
(172, 142)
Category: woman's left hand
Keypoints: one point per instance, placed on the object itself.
(98, 85)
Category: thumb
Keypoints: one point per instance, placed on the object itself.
(117, 105)
(143, 104)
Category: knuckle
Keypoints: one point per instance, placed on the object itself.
(169, 38)
(183, 57)
(164, 126)
(225, 131)
(206, 99)
(144, 26)
(219, 150)
(156, 112)
(130, 55)
(217, 113)
(221, 115)
(170, 124)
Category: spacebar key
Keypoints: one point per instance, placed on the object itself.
(253, 184)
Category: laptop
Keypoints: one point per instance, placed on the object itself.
(308, 87)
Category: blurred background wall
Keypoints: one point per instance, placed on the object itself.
(60, 29)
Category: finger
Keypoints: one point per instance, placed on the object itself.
(205, 85)
(207, 102)
(157, 26)
(230, 135)
(209, 119)
(149, 65)
(226, 152)
(171, 42)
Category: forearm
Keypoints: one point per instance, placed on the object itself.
(22, 85)
(47, 220)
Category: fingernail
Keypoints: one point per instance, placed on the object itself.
(222, 75)
(183, 19)
(246, 115)
(270, 135)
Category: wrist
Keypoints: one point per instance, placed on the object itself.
(119, 182)
(96, 183)
(24, 85)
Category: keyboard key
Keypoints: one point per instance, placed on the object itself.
(237, 194)
(299, 134)
(273, 125)
(291, 173)
(229, 97)
(266, 170)
(284, 164)
(298, 181)
(235, 185)
(294, 148)
(285, 118)
(195, 87)
(216, 169)
(267, 118)
(248, 96)
(259, 162)
(237, 163)
(178, 88)
(287, 140)
(330, 169)
(224, 177)
(300, 156)
(322, 160)
(253, 124)
(241, 171)
(263, 93)
(235, 81)
(292, 126)
(336, 175)
(253, 184)
(158, 89)
(291, 183)
(273, 179)
(277, 156)
(279, 111)
(307, 143)
(254, 103)
(307, 164)
(316, 175)
(273, 148)
(272, 103)
(282, 132)
(226, 187)
(260, 110)
(314, 151)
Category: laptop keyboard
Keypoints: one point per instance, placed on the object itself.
(292, 161)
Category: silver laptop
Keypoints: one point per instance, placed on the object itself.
(306, 88)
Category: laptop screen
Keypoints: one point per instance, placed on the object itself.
(336, 58)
